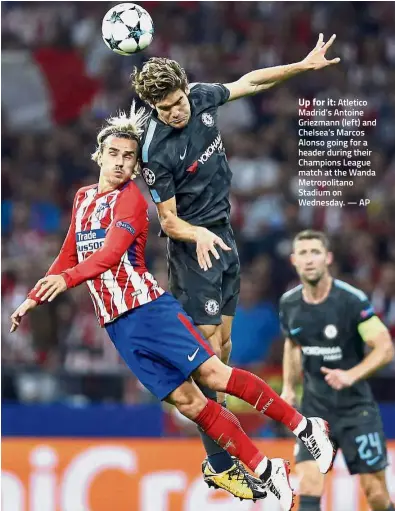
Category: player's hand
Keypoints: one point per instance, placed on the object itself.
(22, 310)
(50, 287)
(316, 58)
(205, 243)
(337, 378)
(289, 397)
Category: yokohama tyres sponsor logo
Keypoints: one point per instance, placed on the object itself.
(214, 146)
(329, 353)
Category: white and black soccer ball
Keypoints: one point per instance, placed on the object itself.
(127, 29)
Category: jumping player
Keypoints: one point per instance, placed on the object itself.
(188, 175)
(104, 247)
(329, 323)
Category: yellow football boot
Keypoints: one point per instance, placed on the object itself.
(236, 480)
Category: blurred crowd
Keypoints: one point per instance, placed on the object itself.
(60, 353)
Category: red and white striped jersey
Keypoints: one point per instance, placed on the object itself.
(104, 247)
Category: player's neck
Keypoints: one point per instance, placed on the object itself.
(105, 187)
(318, 293)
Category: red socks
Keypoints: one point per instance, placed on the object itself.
(225, 429)
(257, 393)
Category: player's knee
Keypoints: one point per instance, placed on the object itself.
(378, 500)
(377, 496)
(190, 406)
(311, 482)
(214, 374)
(188, 399)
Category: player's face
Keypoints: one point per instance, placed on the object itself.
(311, 260)
(175, 109)
(118, 160)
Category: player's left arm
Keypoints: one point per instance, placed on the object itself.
(123, 230)
(376, 335)
(262, 79)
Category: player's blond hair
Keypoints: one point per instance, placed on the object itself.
(158, 78)
(123, 126)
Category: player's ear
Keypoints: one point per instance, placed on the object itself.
(292, 259)
(329, 258)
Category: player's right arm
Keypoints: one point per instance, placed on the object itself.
(292, 362)
(292, 369)
(161, 185)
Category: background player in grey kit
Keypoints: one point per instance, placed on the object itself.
(186, 170)
(327, 324)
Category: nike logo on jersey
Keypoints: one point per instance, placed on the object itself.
(295, 331)
(183, 156)
(192, 357)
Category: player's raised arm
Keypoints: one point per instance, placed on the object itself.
(262, 79)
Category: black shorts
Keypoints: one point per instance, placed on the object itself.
(205, 295)
(361, 440)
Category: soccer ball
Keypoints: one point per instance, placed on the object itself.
(127, 29)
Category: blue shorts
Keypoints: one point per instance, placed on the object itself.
(160, 344)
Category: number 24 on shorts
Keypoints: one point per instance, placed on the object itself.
(367, 444)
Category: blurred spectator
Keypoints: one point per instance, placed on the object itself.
(256, 326)
(383, 296)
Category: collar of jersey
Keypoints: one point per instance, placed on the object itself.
(120, 188)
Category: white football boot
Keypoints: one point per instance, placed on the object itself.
(278, 483)
(316, 439)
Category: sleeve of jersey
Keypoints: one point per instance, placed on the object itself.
(213, 94)
(67, 257)
(368, 324)
(123, 230)
(159, 180)
(284, 328)
(363, 311)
